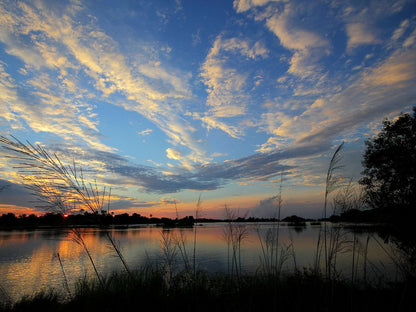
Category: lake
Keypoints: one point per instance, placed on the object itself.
(29, 258)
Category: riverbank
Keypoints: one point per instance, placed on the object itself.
(159, 290)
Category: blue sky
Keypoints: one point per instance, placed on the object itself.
(171, 100)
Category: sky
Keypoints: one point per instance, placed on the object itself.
(229, 102)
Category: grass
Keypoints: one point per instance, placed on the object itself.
(300, 291)
(59, 187)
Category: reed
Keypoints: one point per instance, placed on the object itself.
(180, 241)
(298, 292)
(327, 246)
(234, 234)
(273, 254)
(64, 275)
(198, 211)
(169, 249)
(78, 238)
(57, 185)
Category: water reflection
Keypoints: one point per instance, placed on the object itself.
(28, 260)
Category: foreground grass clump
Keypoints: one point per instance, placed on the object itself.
(154, 289)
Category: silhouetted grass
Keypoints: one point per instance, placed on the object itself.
(220, 292)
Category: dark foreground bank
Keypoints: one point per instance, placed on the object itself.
(157, 290)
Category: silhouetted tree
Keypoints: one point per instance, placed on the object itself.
(390, 185)
(390, 168)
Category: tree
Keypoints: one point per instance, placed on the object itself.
(390, 168)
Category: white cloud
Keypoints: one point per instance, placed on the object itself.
(211, 122)
(308, 47)
(292, 37)
(397, 71)
(360, 34)
(399, 32)
(245, 5)
(371, 95)
(71, 49)
(241, 46)
(410, 41)
(145, 132)
(172, 153)
(226, 85)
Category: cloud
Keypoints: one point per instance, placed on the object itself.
(238, 45)
(245, 5)
(266, 208)
(226, 85)
(15, 194)
(346, 102)
(211, 122)
(411, 40)
(70, 54)
(360, 34)
(114, 169)
(123, 203)
(371, 95)
(397, 71)
(172, 153)
(296, 106)
(307, 47)
(169, 201)
(145, 132)
(291, 37)
(399, 32)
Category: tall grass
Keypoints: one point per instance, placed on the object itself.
(328, 239)
(198, 211)
(300, 292)
(274, 254)
(180, 242)
(64, 275)
(234, 233)
(174, 244)
(59, 186)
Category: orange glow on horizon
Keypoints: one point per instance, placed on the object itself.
(20, 210)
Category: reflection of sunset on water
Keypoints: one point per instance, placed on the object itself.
(28, 260)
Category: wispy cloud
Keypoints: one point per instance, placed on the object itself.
(145, 132)
(245, 5)
(360, 34)
(226, 85)
(383, 90)
(70, 49)
(339, 106)
(308, 47)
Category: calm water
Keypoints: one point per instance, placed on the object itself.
(29, 262)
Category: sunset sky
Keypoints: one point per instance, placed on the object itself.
(171, 100)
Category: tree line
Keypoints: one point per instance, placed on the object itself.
(10, 220)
